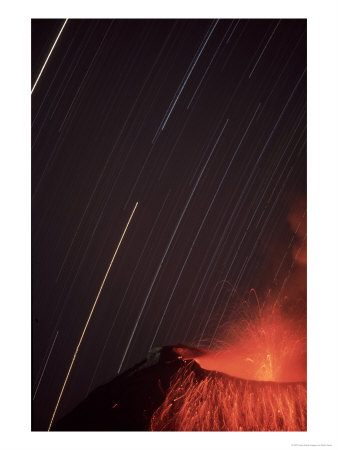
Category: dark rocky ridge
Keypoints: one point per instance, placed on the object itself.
(128, 402)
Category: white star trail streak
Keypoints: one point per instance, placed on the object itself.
(166, 251)
(183, 83)
(254, 67)
(207, 69)
(85, 76)
(282, 72)
(49, 88)
(89, 317)
(248, 258)
(232, 32)
(203, 123)
(278, 120)
(49, 54)
(45, 365)
(121, 131)
(252, 216)
(202, 223)
(124, 296)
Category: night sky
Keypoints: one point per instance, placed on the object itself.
(202, 124)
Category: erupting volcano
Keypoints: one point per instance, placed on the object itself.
(217, 402)
(251, 376)
(254, 381)
(267, 348)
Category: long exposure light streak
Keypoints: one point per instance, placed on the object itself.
(45, 365)
(201, 225)
(51, 50)
(130, 111)
(90, 316)
(264, 49)
(167, 249)
(184, 81)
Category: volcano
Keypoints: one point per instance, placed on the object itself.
(170, 391)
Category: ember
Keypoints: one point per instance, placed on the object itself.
(219, 402)
(254, 380)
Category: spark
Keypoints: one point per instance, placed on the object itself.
(51, 50)
(220, 402)
(90, 316)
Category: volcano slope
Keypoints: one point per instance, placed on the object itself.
(170, 391)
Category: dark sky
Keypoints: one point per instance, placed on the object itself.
(203, 123)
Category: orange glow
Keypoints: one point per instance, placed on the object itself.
(255, 378)
(255, 371)
(269, 348)
(219, 402)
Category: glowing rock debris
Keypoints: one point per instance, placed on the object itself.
(202, 123)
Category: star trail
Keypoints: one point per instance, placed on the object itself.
(199, 123)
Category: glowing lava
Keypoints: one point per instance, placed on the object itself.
(219, 402)
(253, 381)
(253, 377)
(270, 348)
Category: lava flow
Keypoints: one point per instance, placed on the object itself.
(219, 402)
(256, 381)
(268, 348)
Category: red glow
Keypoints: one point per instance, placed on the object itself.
(256, 379)
(270, 348)
(222, 403)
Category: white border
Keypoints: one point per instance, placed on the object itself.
(15, 224)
